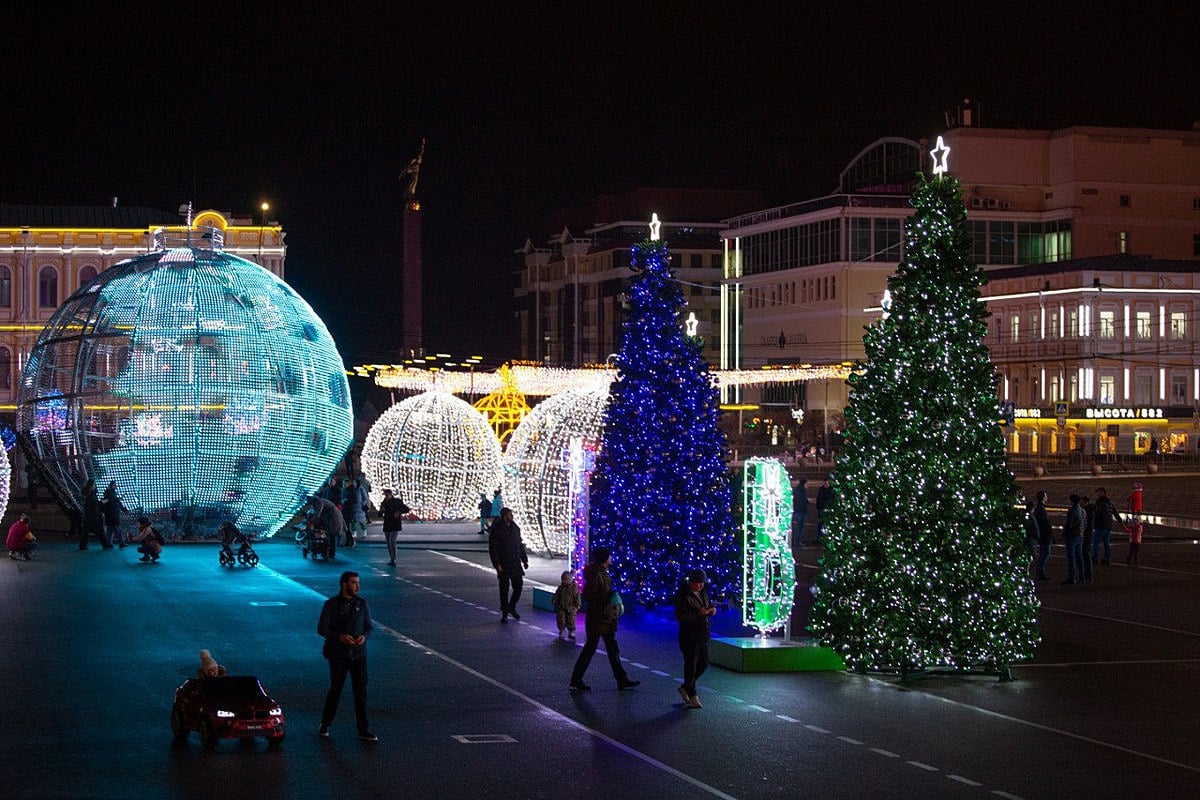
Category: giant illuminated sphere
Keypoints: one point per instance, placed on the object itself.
(536, 469)
(437, 452)
(199, 382)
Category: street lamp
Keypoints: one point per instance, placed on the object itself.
(262, 229)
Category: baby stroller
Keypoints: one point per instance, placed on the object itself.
(313, 538)
(231, 535)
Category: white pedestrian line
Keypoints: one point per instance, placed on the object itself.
(922, 765)
(759, 708)
(659, 671)
(786, 718)
(639, 666)
(961, 779)
(887, 753)
(815, 728)
(1006, 795)
(848, 740)
(1122, 621)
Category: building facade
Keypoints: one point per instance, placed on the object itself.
(802, 281)
(47, 252)
(570, 292)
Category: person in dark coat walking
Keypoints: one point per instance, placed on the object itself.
(393, 510)
(112, 507)
(485, 513)
(345, 625)
(93, 521)
(510, 561)
(1106, 513)
(694, 610)
(599, 622)
(1044, 534)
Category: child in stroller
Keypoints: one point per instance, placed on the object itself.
(232, 535)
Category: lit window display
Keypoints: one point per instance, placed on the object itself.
(436, 452)
(537, 465)
(199, 382)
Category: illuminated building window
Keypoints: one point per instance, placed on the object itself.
(1178, 390)
(1015, 323)
(1108, 389)
(1072, 324)
(1053, 327)
(47, 287)
(1178, 325)
(1107, 324)
(5, 287)
(1143, 324)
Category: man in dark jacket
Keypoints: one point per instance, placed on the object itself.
(1073, 536)
(345, 624)
(1044, 534)
(1105, 514)
(392, 509)
(693, 609)
(824, 498)
(510, 561)
(597, 594)
(799, 510)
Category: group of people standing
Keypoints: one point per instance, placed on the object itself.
(800, 507)
(1087, 533)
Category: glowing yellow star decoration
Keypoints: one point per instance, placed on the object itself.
(691, 322)
(655, 225)
(505, 407)
(940, 153)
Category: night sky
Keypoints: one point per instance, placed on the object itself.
(528, 108)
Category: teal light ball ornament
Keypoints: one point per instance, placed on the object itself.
(201, 383)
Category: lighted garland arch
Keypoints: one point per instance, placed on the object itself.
(437, 452)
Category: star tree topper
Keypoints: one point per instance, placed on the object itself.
(691, 322)
(654, 226)
(940, 153)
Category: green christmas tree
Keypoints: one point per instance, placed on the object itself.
(924, 563)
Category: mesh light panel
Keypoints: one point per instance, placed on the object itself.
(437, 452)
(5, 483)
(198, 381)
(536, 474)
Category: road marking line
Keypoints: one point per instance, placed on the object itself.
(639, 666)
(1122, 621)
(922, 765)
(545, 709)
(848, 740)
(660, 672)
(887, 753)
(815, 728)
(961, 779)
(786, 718)
(759, 708)
(1006, 795)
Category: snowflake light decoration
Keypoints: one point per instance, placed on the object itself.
(537, 471)
(436, 452)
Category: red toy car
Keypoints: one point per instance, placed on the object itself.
(233, 707)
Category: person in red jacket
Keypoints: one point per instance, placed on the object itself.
(1135, 501)
(21, 540)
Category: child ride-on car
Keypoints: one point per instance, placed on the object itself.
(233, 707)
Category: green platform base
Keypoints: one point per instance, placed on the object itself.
(543, 600)
(751, 654)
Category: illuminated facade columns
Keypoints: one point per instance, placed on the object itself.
(47, 252)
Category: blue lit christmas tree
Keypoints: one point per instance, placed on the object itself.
(660, 497)
(924, 563)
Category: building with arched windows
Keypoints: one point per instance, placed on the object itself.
(1088, 236)
(47, 252)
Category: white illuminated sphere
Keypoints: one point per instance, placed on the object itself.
(436, 452)
(5, 482)
(536, 477)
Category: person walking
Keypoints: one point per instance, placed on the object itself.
(1073, 535)
(1134, 528)
(693, 610)
(111, 509)
(600, 622)
(1106, 513)
(485, 513)
(345, 625)
(1089, 527)
(93, 522)
(824, 498)
(799, 510)
(392, 509)
(566, 604)
(354, 515)
(510, 561)
(497, 505)
(1045, 534)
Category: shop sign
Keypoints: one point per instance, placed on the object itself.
(1125, 413)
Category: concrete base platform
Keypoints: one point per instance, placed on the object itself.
(543, 599)
(752, 654)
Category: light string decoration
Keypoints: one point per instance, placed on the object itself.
(660, 492)
(581, 460)
(436, 452)
(769, 569)
(537, 466)
(198, 381)
(924, 563)
(5, 483)
(504, 408)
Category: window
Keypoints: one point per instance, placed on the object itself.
(1123, 241)
(1072, 324)
(1053, 327)
(1107, 324)
(1055, 389)
(1108, 389)
(1178, 390)
(5, 368)
(86, 274)
(5, 287)
(1143, 387)
(1196, 244)
(1015, 328)
(887, 240)
(1124, 201)
(47, 287)
(1178, 325)
(1143, 326)
(1033, 325)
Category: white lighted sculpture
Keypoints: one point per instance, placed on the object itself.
(437, 452)
(769, 574)
(537, 465)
